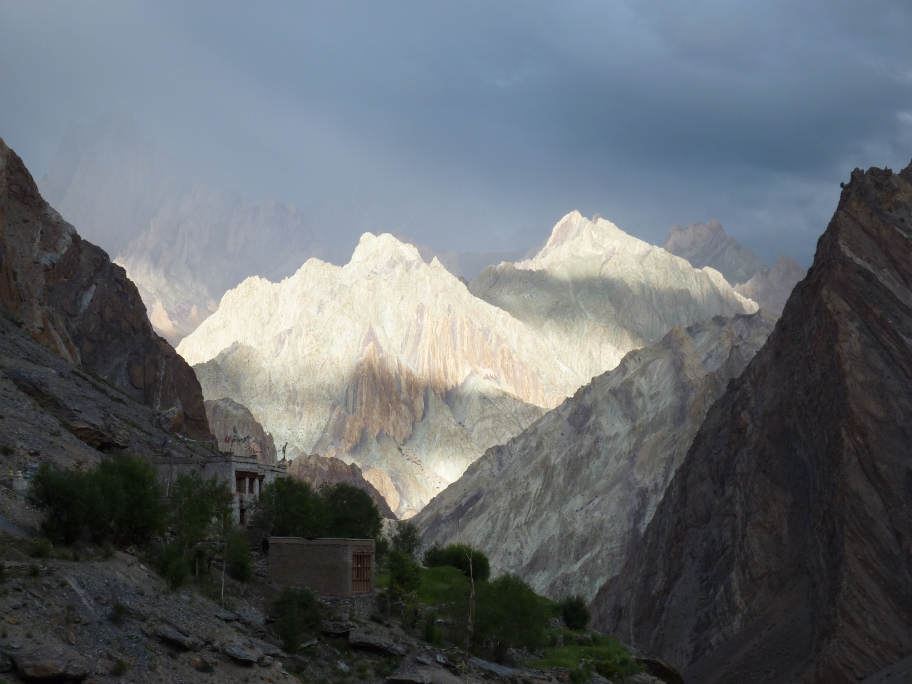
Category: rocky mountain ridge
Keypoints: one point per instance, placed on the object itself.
(594, 293)
(778, 552)
(70, 297)
(392, 363)
(562, 503)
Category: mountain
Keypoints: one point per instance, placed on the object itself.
(320, 470)
(562, 503)
(780, 551)
(594, 293)
(237, 431)
(388, 362)
(771, 287)
(392, 363)
(68, 295)
(707, 244)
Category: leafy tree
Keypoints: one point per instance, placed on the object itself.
(349, 512)
(575, 612)
(406, 538)
(238, 557)
(289, 508)
(119, 501)
(404, 574)
(508, 614)
(469, 560)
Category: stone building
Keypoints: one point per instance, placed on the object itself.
(244, 476)
(329, 567)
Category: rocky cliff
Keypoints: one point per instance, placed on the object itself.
(707, 244)
(320, 470)
(562, 503)
(781, 549)
(69, 296)
(594, 293)
(237, 431)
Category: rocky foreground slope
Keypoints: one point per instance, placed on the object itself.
(70, 297)
(392, 363)
(781, 550)
(564, 502)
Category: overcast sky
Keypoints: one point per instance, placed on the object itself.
(476, 125)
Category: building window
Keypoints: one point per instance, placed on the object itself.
(362, 578)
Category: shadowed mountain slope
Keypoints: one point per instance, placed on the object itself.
(781, 551)
(71, 298)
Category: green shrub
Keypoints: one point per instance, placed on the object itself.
(117, 502)
(404, 574)
(406, 538)
(298, 615)
(575, 612)
(508, 614)
(601, 654)
(471, 561)
(174, 565)
(349, 511)
(291, 508)
(40, 548)
(238, 557)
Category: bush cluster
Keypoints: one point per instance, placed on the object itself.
(575, 612)
(291, 508)
(471, 561)
(118, 502)
(299, 614)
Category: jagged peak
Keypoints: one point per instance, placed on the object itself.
(384, 249)
(578, 236)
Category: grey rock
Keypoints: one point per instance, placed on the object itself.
(242, 654)
(176, 637)
(423, 674)
(361, 638)
(337, 628)
(52, 662)
(493, 668)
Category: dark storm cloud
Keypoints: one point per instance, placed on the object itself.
(474, 125)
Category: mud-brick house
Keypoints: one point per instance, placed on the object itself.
(329, 567)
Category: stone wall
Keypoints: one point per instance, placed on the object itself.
(323, 565)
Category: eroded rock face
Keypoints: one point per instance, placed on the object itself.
(780, 552)
(319, 470)
(594, 293)
(236, 430)
(562, 503)
(70, 297)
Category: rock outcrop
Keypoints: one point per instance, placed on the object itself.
(707, 244)
(594, 293)
(237, 431)
(781, 549)
(70, 297)
(320, 470)
(562, 503)
(771, 287)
